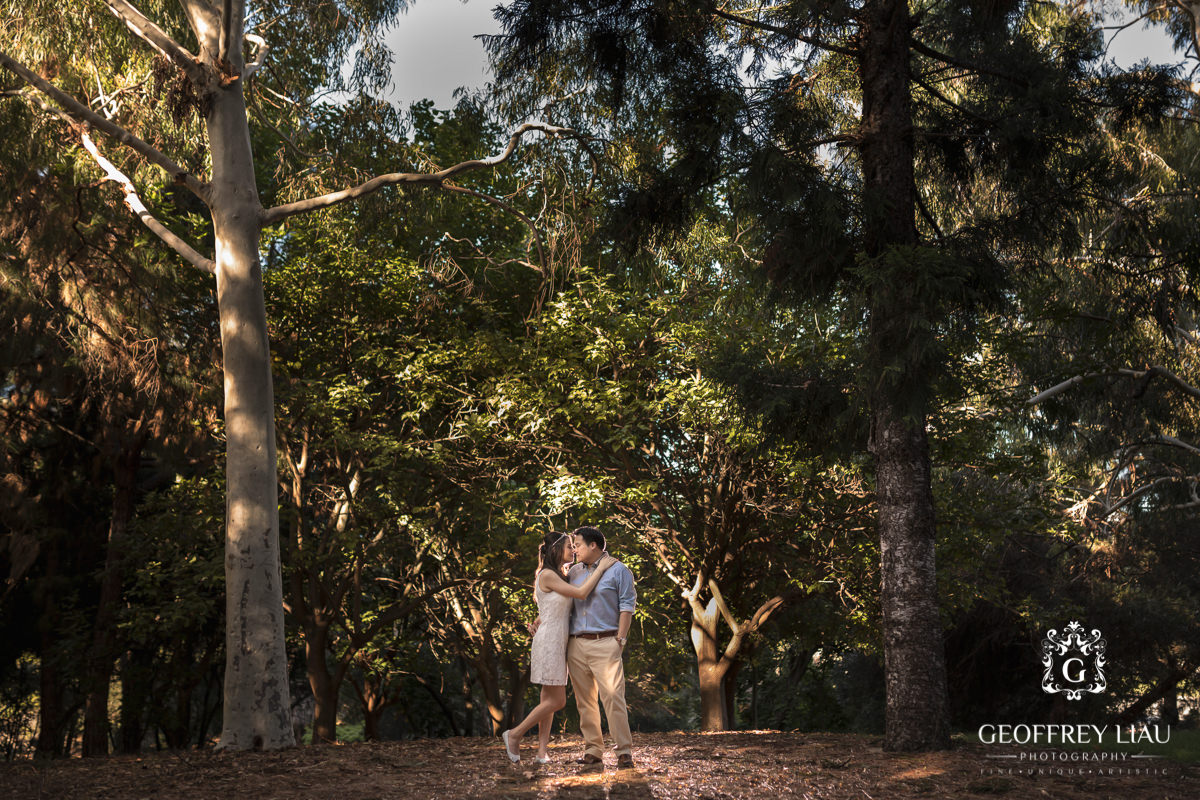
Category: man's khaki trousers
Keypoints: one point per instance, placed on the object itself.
(596, 669)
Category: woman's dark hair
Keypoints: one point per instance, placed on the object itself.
(550, 552)
(590, 535)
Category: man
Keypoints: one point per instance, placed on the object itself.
(599, 631)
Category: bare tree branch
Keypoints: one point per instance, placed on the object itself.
(415, 178)
(1109, 510)
(159, 40)
(205, 20)
(1193, 9)
(1173, 442)
(81, 113)
(135, 204)
(740, 630)
(933, 90)
(693, 598)
(730, 620)
(1059, 388)
(764, 613)
(1163, 372)
(1150, 372)
(262, 117)
(945, 58)
(261, 48)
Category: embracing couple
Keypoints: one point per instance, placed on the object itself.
(584, 614)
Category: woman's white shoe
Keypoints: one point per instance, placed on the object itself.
(513, 757)
(541, 760)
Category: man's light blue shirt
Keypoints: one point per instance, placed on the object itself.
(601, 611)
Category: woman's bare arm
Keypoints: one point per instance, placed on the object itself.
(553, 582)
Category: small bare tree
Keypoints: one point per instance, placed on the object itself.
(256, 701)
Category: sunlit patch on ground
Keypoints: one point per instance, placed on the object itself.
(918, 772)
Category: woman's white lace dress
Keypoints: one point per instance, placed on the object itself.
(548, 659)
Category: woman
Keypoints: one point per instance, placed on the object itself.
(548, 656)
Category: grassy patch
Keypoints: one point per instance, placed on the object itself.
(346, 732)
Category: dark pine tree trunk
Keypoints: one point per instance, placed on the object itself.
(917, 704)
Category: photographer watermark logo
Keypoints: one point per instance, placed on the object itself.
(1074, 665)
(1074, 662)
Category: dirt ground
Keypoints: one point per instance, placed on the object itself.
(755, 765)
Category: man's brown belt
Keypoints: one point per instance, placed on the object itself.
(604, 635)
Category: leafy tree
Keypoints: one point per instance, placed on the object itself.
(658, 445)
(370, 371)
(208, 53)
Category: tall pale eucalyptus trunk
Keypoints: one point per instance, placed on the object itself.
(257, 709)
(257, 704)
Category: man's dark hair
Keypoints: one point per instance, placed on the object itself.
(590, 535)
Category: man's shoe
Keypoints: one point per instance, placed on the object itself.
(589, 759)
(625, 761)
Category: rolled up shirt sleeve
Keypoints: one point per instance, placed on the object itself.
(626, 593)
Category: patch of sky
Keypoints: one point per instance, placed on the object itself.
(436, 51)
(1130, 39)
